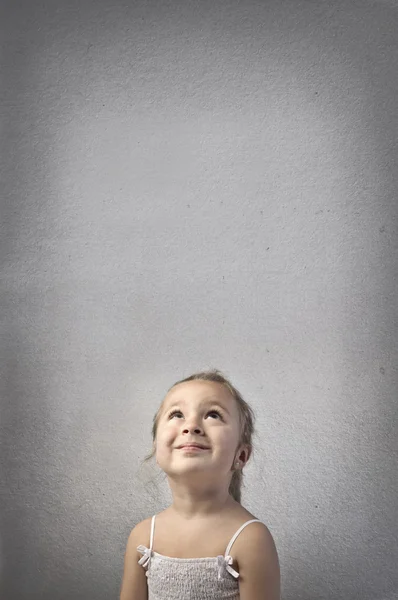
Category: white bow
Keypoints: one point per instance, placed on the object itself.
(226, 562)
(147, 553)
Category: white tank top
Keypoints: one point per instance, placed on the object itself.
(210, 578)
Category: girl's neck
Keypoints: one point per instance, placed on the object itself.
(189, 509)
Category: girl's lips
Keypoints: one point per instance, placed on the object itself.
(193, 449)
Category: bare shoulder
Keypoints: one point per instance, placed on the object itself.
(134, 583)
(139, 535)
(258, 563)
(141, 532)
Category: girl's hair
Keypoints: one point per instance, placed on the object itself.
(246, 418)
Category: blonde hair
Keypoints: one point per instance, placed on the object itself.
(246, 418)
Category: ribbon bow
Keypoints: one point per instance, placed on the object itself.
(147, 553)
(226, 562)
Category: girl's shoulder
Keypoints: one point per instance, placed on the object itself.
(211, 536)
(235, 518)
(141, 532)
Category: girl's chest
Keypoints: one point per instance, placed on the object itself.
(186, 580)
(191, 542)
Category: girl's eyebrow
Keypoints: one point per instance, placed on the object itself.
(213, 401)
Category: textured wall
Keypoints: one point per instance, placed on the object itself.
(189, 185)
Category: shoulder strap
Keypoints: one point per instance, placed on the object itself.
(152, 532)
(238, 532)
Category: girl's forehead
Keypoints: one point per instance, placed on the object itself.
(197, 388)
(189, 391)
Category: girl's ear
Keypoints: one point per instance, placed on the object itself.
(244, 454)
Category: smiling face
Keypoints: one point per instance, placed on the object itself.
(202, 412)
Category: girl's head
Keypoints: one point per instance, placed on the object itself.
(204, 408)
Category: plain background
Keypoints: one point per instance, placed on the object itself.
(187, 185)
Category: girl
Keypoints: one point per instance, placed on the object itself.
(207, 545)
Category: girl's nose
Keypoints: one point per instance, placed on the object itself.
(193, 428)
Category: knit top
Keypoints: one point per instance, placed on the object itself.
(210, 578)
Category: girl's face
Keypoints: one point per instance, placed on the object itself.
(202, 412)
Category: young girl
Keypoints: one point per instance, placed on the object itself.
(206, 545)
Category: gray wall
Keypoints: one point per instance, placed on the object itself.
(189, 185)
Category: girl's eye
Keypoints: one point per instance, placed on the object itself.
(215, 412)
(174, 412)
